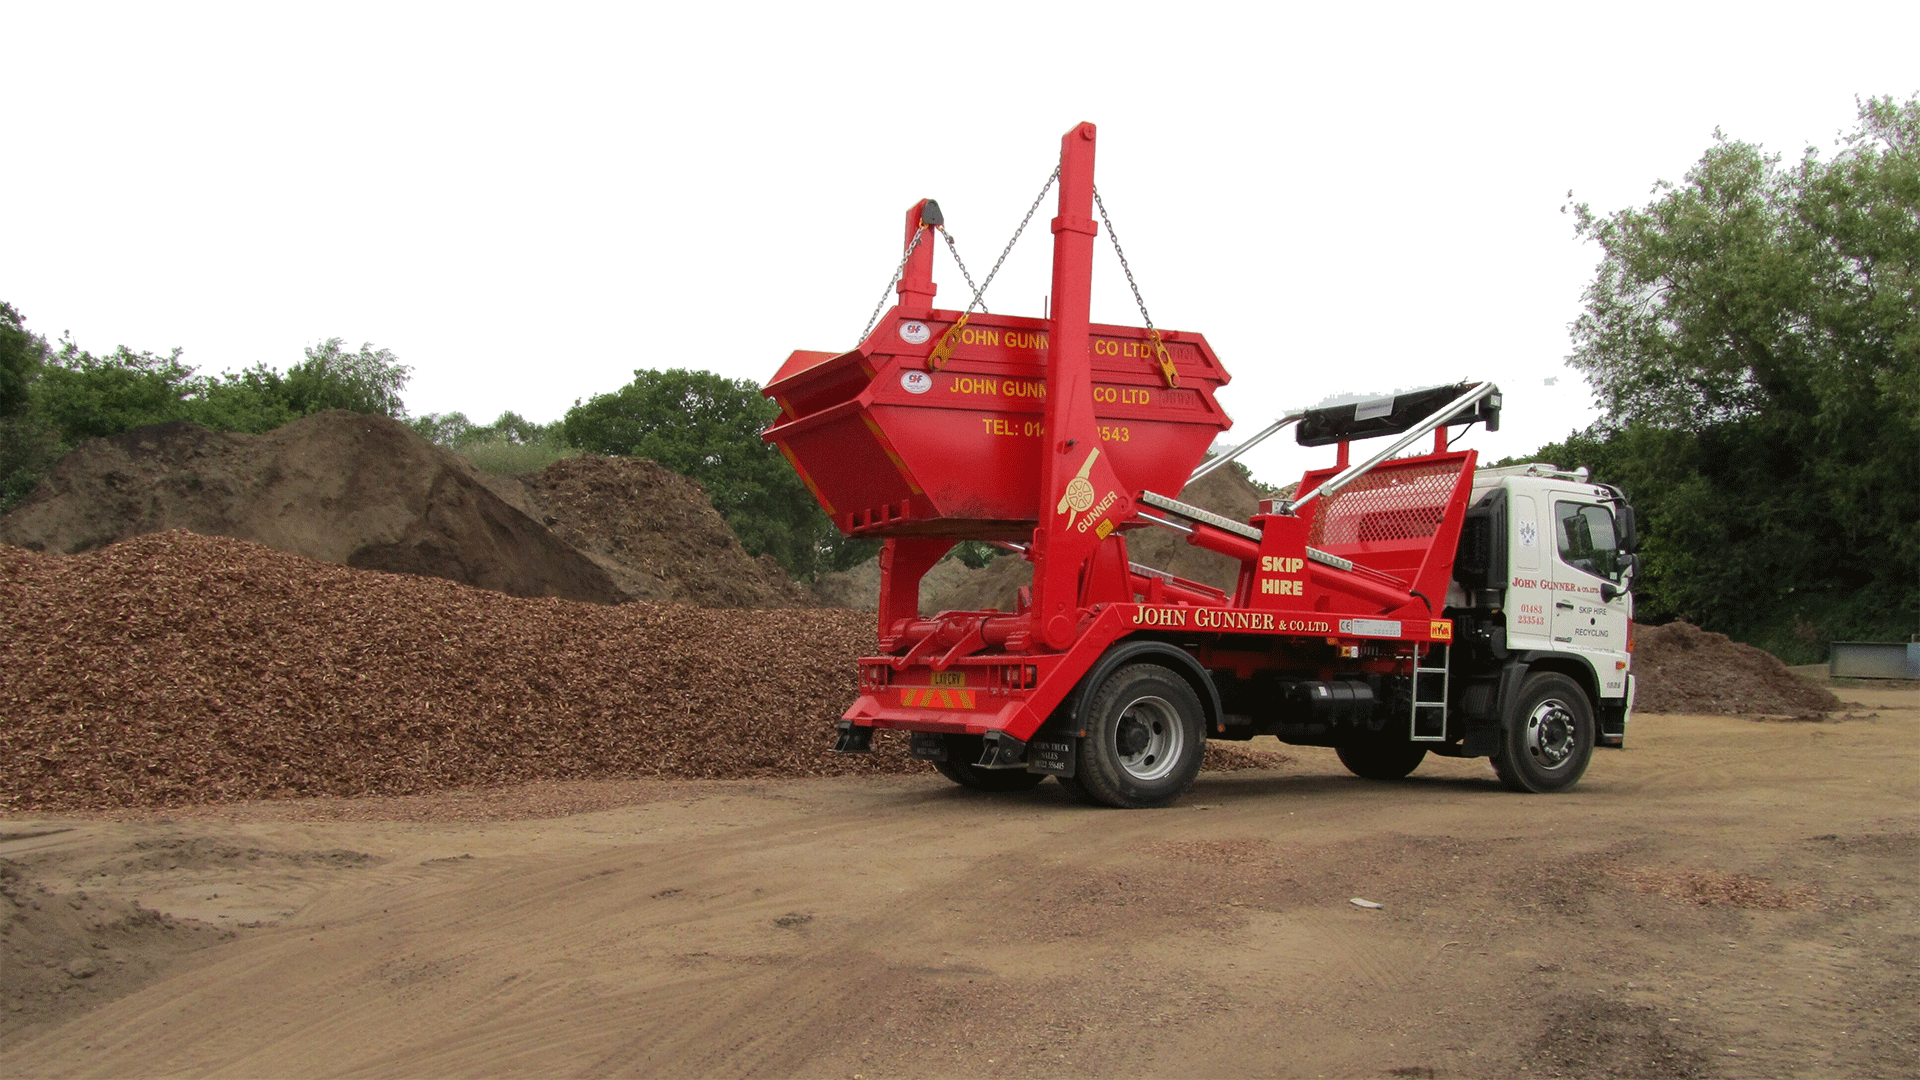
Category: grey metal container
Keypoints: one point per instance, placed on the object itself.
(1874, 660)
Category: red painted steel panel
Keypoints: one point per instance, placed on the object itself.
(873, 428)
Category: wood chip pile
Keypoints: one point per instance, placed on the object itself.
(174, 668)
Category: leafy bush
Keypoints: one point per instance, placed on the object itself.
(504, 458)
(510, 446)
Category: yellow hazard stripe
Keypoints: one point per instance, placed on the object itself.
(936, 698)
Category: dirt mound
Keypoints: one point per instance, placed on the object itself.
(63, 953)
(656, 534)
(341, 487)
(1680, 668)
(953, 586)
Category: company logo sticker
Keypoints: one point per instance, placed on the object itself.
(915, 333)
(916, 382)
(1079, 495)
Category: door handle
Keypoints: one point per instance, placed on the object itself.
(1564, 605)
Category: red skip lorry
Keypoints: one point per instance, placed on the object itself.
(1395, 606)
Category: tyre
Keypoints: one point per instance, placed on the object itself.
(963, 751)
(1382, 759)
(1145, 735)
(1549, 735)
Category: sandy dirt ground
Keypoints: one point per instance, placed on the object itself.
(1724, 898)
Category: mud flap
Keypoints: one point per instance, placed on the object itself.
(1610, 717)
(1053, 756)
(854, 739)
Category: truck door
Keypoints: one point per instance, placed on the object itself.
(1529, 593)
(1586, 555)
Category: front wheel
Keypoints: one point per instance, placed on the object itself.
(1549, 736)
(1146, 732)
(963, 751)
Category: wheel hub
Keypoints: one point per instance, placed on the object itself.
(1550, 733)
(1149, 738)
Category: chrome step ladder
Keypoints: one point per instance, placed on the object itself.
(1430, 695)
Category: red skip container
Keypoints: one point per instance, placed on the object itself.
(891, 448)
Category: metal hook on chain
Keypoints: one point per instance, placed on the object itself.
(949, 340)
(1160, 352)
(942, 351)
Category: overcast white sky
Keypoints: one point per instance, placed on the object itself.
(526, 203)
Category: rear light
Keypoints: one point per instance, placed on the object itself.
(1019, 676)
(1629, 637)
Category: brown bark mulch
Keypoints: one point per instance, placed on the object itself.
(172, 669)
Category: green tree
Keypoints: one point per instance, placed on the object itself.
(707, 427)
(27, 444)
(368, 381)
(254, 400)
(1754, 335)
(442, 429)
(84, 396)
(21, 357)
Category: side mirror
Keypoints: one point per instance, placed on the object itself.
(1629, 535)
(1629, 565)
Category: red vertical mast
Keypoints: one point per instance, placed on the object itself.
(1079, 498)
(916, 286)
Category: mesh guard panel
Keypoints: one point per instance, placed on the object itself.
(1385, 505)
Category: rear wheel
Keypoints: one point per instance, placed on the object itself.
(1381, 759)
(1145, 736)
(963, 751)
(1549, 735)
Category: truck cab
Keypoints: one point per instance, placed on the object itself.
(1543, 584)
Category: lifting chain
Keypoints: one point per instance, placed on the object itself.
(1159, 348)
(947, 235)
(897, 272)
(937, 359)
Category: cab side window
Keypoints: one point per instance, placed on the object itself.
(1585, 534)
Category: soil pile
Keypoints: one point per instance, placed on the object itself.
(1680, 668)
(175, 668)
(341, 487)
(65, 952)
(655, 533)
(365, 491)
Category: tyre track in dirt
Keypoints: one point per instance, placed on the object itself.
(692, 1007)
